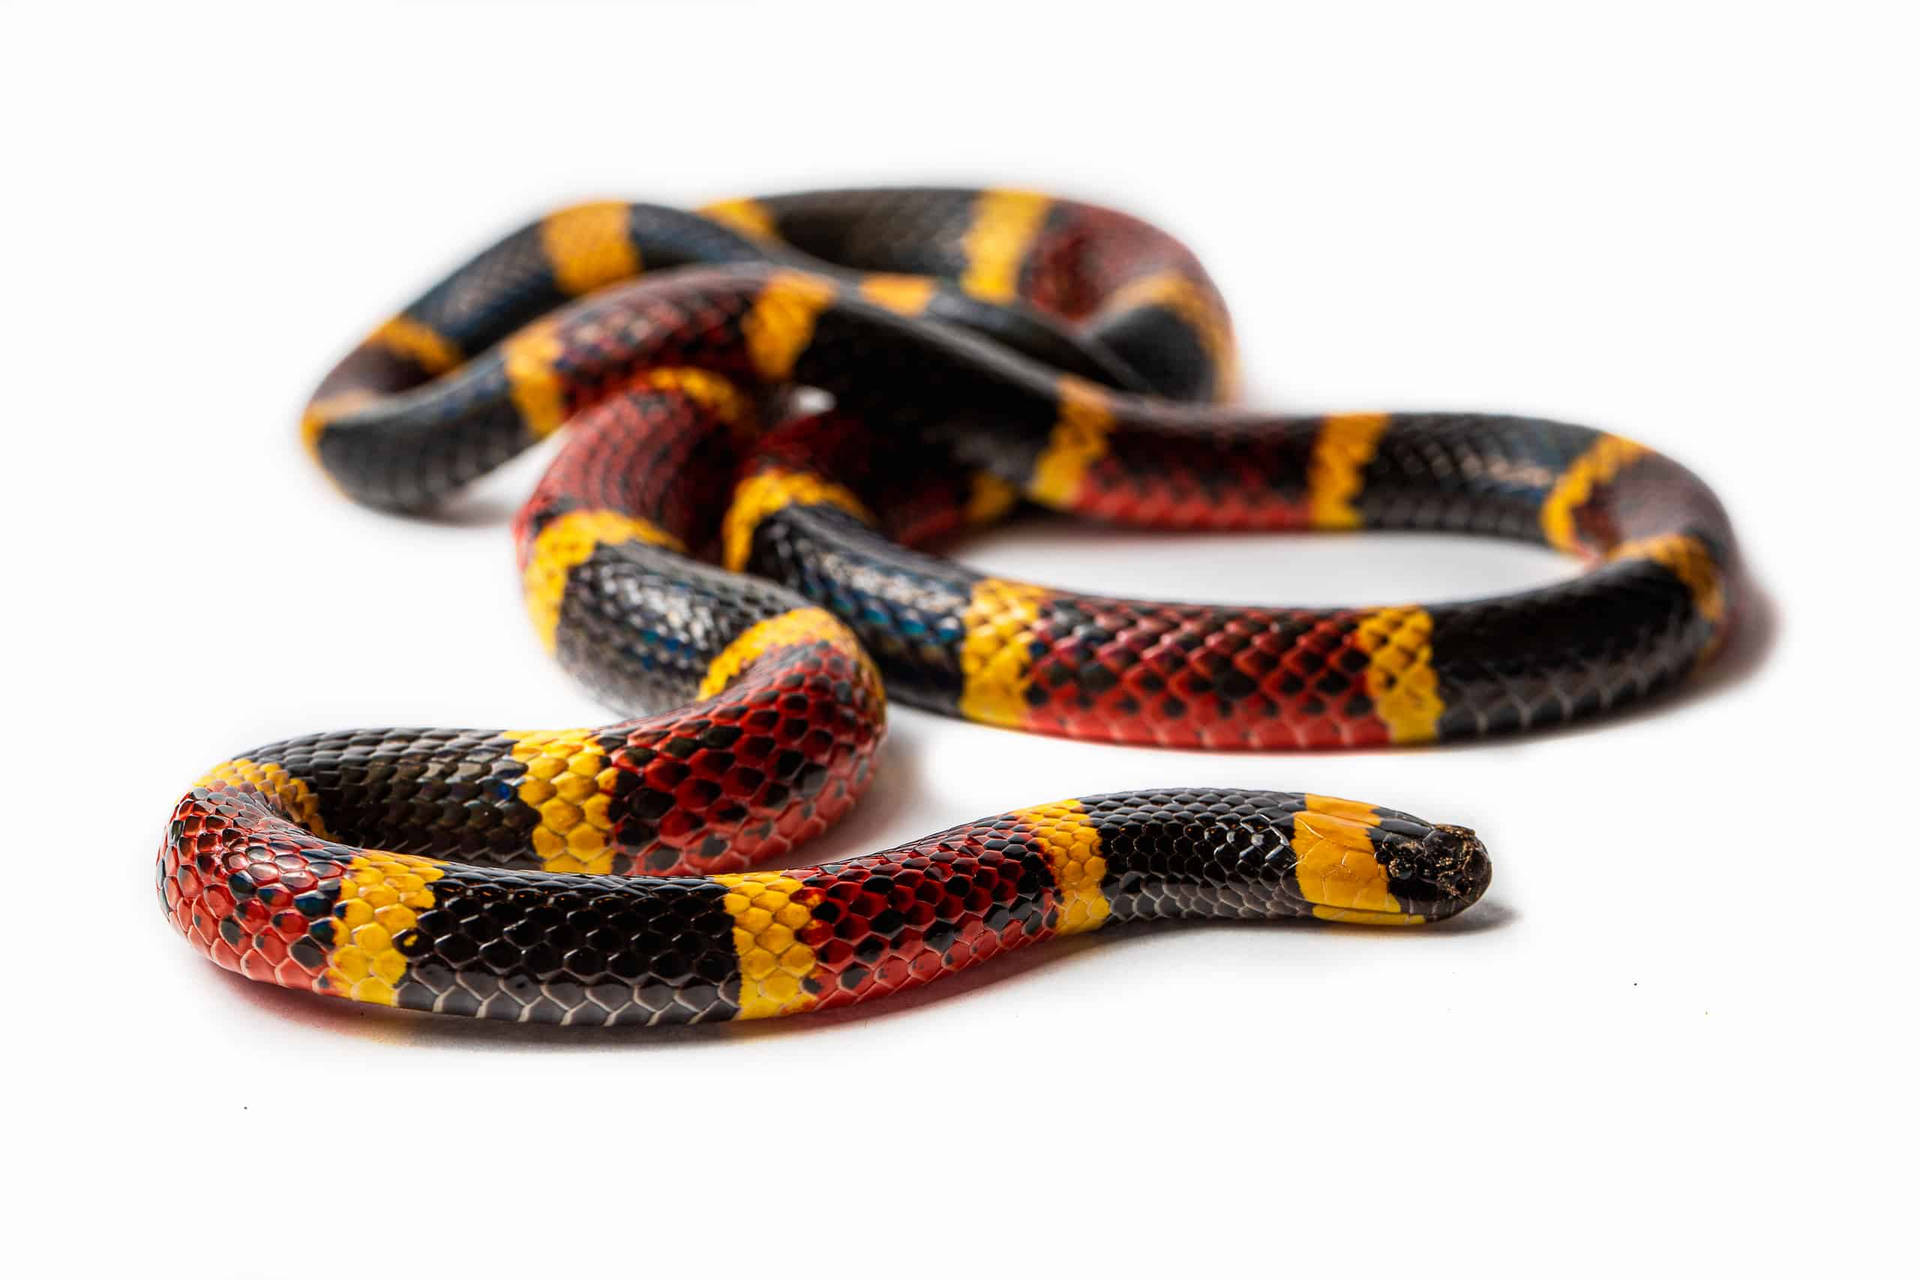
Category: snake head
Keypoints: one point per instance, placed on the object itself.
(1442, 873)
(1359, 865)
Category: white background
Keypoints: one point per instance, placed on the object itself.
(1676, 1034)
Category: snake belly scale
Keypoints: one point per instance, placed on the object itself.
(776, 410)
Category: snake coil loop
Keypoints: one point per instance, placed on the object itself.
(748, 576)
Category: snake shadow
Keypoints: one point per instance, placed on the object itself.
(1008, 971)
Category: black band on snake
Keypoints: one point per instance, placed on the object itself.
(777, 411)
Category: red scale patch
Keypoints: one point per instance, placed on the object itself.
(1085, 254)
(655, 454)
(1194, 482)
(713, 789)
(1193, 676)
(603, 345)
(891, 921)
(234, 879)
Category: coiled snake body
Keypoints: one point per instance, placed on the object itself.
(746, 572)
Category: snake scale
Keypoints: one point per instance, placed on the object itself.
(777, 410)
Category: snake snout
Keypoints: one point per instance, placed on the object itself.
(1441, 874)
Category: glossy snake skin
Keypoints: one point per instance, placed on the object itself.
(775, 409)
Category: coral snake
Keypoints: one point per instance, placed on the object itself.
(774, 407)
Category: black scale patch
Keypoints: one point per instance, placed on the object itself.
(585, 950)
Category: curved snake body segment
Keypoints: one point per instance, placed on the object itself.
(980, 348)
(283, 904)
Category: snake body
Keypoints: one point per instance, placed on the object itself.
(748, 574)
